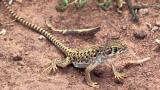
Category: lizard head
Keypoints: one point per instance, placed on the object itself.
(114, 47)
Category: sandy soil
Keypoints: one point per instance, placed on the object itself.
(24, 73)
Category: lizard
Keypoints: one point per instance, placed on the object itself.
(87, 58)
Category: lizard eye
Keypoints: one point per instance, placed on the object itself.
(115, 49)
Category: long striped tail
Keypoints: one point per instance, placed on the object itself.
(66, 50)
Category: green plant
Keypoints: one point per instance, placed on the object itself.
(104, 5)
(62, 6)
(80, 3)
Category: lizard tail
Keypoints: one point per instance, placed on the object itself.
(66, 50)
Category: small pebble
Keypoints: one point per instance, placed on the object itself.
(10, 2)
(149, 25)
(155, 28)
(114, 35)
(5, 39)
(143, 11)
(17, 57)
(20, 63)
(26, 53)
(124, 27)
(3, 32)
(157, 23)
(158, 40)
(41, 37)
(20, 1)
(98, 72)
(157, 49)
(10, 39)
(140, 34)
(1, 55)
(118, 81)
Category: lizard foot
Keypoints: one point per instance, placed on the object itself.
(93, 84)
(119, 76)
(50, 67)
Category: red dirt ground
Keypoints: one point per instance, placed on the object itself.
(35, 53)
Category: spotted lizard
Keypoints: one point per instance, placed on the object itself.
(88, 58)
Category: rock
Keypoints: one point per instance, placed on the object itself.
(158, 40)
(124, 27)
(140, 34)
(41, 37)
(155, 28)
(5, 39)
(148, 25)
(10, 2)
(143, 12)
(26, 53)
(1, 55)
(20, 63)
(98, 72)
(3, 32)
(157, 23)
(118, 81)
(20, 1)
(157, 49)
(114, 35)
(17, 57)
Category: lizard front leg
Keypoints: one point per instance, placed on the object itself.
(63, 63)
(52, 66)
(117, 74)
(88, 76)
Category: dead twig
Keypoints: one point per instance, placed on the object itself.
(90, 31)
(138, 62)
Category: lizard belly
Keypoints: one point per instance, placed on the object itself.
(84, 63)
(80, 64)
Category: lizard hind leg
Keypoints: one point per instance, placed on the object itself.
(88, 77)
(51, 67)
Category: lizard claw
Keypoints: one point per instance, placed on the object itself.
(120, 76)
(93, 84)
(50, 67)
